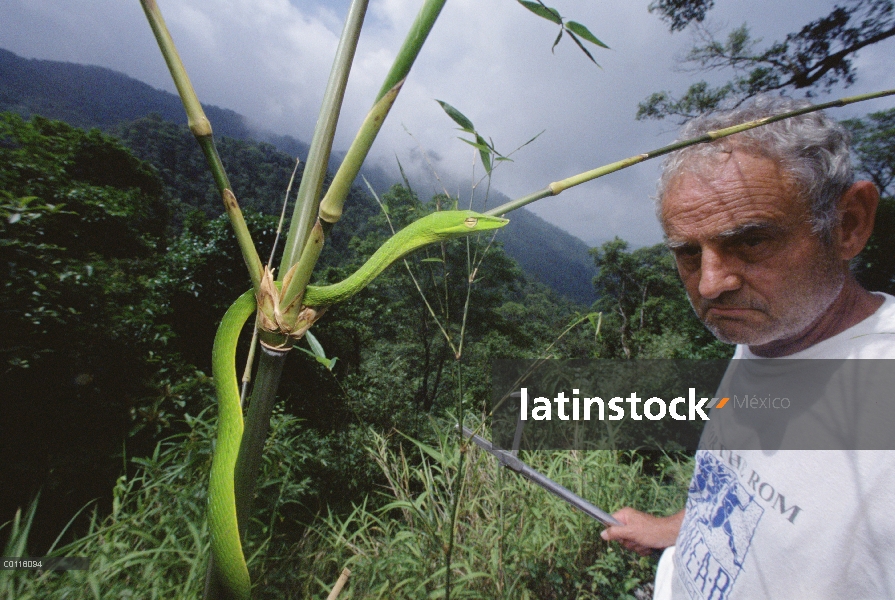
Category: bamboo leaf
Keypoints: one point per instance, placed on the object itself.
(484, 150)
(556, 41)
(583, 32)
(329, 363)
(542, 11)
(580, 45)
(315, 345)
(317, 351)
(493, 149)
(480, 147)
(433, 259)
(458, 117)
(432, 452)
(531, 140)
(485, 154)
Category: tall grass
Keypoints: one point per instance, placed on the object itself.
(154, 543)
(512, 539)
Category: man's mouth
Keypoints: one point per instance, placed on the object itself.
(729, 311)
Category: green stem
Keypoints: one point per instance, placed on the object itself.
(294, 289)
(331, 205)
(244, 239)
(413, 43)
(196, 118)
(214, 589)
(314, 173)
(458, 485)
(201, 129)
(558, 187)
(257, 423)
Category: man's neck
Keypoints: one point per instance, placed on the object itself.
(851, 306)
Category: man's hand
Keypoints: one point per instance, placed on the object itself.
(644, 533)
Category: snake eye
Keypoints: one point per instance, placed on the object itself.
(470, 222)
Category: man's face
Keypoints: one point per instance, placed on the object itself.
(741, 235)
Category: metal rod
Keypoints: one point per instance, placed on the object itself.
(514, 464)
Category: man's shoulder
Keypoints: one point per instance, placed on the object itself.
(874, 337)
(886, 312)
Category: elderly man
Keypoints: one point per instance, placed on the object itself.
(763, 225)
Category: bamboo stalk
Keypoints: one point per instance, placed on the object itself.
(413, 43)
(297, 278)
(340, 583)
(331, 205)
(253, 345)
(270, 364)
(557, 187)
(257, 422)
(201, 129)
(306, 203)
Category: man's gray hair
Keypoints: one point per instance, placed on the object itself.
(813, 149)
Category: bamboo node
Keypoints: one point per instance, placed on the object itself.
(200, 127)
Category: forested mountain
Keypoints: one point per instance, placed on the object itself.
(90, 96)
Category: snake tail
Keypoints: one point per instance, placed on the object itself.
(226, 546)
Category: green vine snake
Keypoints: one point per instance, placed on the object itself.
(226, 546)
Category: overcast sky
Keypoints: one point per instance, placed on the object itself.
(269, 60)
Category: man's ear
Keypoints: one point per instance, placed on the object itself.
(857, 211)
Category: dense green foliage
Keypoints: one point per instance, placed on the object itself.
(256, 169)
(874, 143)
(152, 541)
(515, 540)
(645, 310)
(82, 223)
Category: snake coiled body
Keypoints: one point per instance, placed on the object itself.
(226, 546)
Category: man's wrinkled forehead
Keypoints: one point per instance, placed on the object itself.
(724, 193)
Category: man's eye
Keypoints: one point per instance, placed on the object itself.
(753, 241)
(687, 251)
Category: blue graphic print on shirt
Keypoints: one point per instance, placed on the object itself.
(718, 528)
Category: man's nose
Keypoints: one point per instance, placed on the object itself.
(718, 274)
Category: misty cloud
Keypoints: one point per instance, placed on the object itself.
(269, 60)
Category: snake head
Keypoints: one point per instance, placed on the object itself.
(454, 223)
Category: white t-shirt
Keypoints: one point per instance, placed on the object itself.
(792, 524)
